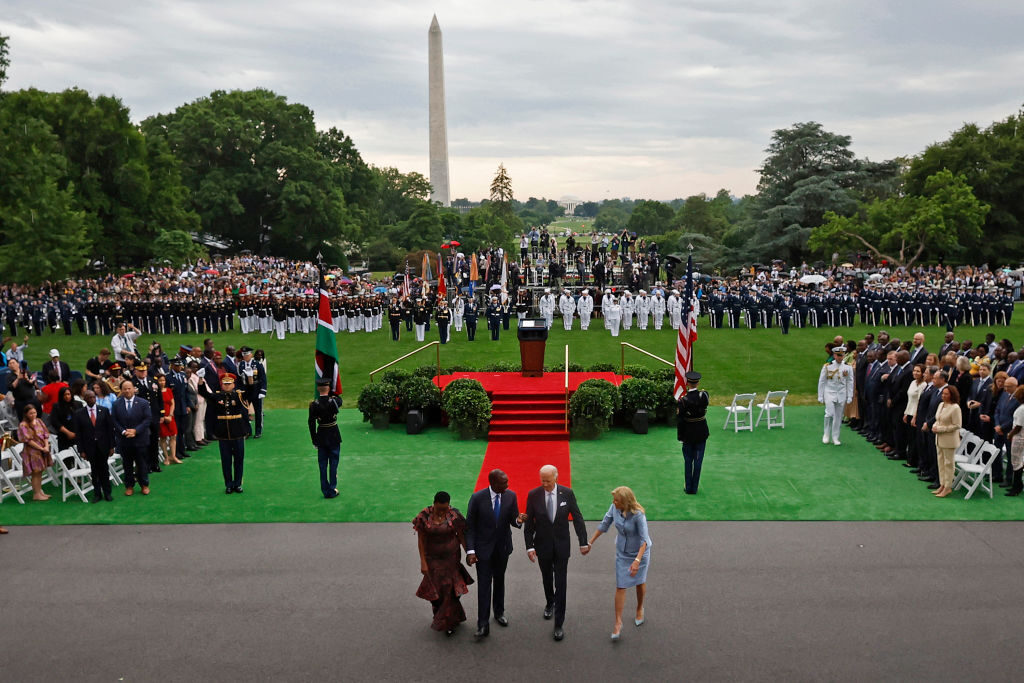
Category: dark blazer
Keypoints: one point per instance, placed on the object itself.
(229, 365)
(179, 388)
(50, 375)
(547, 538)
(918, 358)
(934, 401)
(138, 418)
(898, 392)
(94, 440)
(485, 535)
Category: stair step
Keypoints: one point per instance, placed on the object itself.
(502, 435)
(532, 425)
(553, 414)
(547, 395)
(524, 404)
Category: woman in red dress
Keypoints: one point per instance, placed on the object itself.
(441, 531)
(168, 428)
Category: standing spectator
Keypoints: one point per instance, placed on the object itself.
(948, 421)
(1017, 446)
(131, 417)
(124, 341)
(35, 455)
(168, 428)
(62, 419)
(56, 370)
(94, 434)
(227, 420)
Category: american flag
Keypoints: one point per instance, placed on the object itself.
(687, 335)
(405, 282)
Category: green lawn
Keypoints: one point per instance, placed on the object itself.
(731, 360)
(779, 475)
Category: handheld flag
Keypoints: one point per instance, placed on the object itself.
(687, 335)
(326, 361)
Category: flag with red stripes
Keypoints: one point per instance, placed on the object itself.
(326, 360)
(687, 335)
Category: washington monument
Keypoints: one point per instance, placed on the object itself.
(438, 122)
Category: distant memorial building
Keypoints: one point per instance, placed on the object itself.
(438, 120)
(569, 203)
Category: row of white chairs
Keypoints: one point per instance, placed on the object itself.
(973, 460)
(70, 471)
(741, 411)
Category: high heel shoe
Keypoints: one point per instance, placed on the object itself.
(640, 621)
(615, 636)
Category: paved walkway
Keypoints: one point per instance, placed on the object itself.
(767, 601)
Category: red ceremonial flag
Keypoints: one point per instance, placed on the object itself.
(687, 336)
(442, 290)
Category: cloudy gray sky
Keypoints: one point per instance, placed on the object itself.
(590, 98)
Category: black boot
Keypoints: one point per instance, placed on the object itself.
(1018, 483)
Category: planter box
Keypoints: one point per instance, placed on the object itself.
(640, 422)
(468, 433)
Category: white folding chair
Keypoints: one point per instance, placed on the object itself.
(74, 473)
(774, 403)
(973, 475)
(115, 465)
(13, 482)
(741, 412)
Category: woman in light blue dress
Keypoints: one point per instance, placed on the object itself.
(632, 551)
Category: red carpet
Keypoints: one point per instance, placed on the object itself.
(527, 424)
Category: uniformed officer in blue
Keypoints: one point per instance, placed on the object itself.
(323, 430)
(692, 429)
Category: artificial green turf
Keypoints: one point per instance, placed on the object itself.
(731, 360)
(388, 476)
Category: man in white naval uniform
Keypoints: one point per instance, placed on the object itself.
(628, 305)
(458, 311)
(585, 307)
(675, 309)
(566, 306)
(613, 314)
(658, 308)
(835, 390)
(546, 305)
(643, 309)
(606, 302)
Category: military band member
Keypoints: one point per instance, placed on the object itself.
(323, 430)
(395, 318)
(546, 307)
(692, 430)
(835, 390)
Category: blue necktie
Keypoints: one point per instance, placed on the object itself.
(497, 508)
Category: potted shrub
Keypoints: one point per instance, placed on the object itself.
(604, 367)
(667, 407)
(607, 387)
(418, 397)
(640, 397)
(591, 411)
(468, 408)
(376, 402)
(395, 375)
(638, 371)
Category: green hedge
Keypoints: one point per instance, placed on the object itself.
(376, 398)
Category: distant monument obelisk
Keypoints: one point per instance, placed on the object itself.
(438, 122)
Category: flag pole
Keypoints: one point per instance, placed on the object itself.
(690, 290)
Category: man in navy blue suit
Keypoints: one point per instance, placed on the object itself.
(131, 416)
(490, 516)
(94, 434)
(546, 533)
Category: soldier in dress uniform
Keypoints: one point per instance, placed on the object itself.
(443, 316)
(692, 429)
(494, 318)
(835, 390)
(472, 312)
(227, 421)
(323, 430)
(253, 379)
(395, 318)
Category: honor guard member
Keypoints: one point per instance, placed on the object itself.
(443, 317)
(506, 309)
(613, 317)
(522, 303)
(253, 378)
(835, 390)
(585, 307)
(494, 318)
(692, 429)
(472, 312)
(643, 309)
(323, 430)
(785, 310)
(407, 309)
(395, 318)
(658, 308)
(420, 317)
(606, 302)
(567, 307)
(280, 315)
(227, 421)
(628, 305)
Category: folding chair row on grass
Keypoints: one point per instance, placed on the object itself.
(741, 411)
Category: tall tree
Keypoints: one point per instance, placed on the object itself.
(701, 215)
(501, 189)
(5, 60)
(903, 229)
(650, 217)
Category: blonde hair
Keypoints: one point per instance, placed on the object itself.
(623, 495)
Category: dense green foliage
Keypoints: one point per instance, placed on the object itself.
(640, 394)
(376, 398)
(591, 404)
(467, 405)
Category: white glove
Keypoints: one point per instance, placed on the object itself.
(263, 395)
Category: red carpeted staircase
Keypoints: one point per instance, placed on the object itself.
(519, 416)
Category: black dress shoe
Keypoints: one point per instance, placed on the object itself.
(98, 498)
(558, 634)
(238, 489)
(257, 436)
(229, 490)
(482, 632)
(107, 497)
(912, 468)
(184, 455)
(157, 469)
(502, 620)
(549, 611)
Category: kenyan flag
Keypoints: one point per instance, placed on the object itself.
(326, 364)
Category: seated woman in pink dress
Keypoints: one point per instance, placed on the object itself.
(441, 537)
(35, 457)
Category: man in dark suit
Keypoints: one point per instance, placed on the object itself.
(56, 370)
(131, 416)
(94, 434)
(547, 539)
(178, 384)
(490, 516)
(918, 352)
(930, 462)
(947, 346)
(899, 383)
